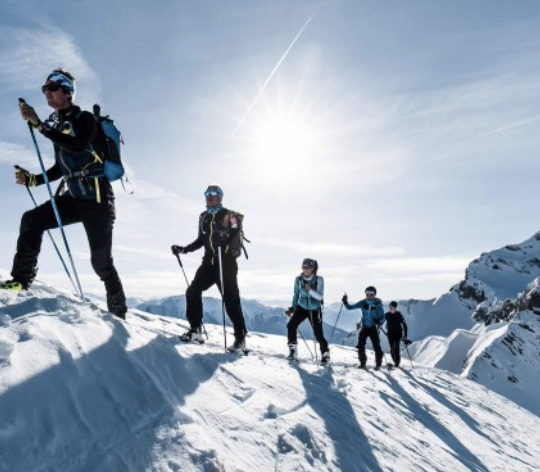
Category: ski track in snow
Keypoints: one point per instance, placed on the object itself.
(83, 392)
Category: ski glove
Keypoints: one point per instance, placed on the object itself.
(407, 341)
(177, 249)
(289, 312)
(345, 300)
(23, 177)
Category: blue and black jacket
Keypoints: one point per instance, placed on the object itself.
(372, 312)
(308, 300)
(79, 147)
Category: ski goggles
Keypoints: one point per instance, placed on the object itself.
(370, 294)
(212, 193)
(52, 87)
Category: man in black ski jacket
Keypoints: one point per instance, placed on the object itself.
(396, 330)
(79, 146)
(220, 231)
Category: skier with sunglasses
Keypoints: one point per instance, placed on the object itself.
(219, 229)
(79, 152)
(371, 321)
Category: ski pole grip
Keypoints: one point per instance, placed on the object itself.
(22, 101)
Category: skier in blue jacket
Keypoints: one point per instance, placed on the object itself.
(371, 321)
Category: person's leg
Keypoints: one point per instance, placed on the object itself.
(231, 297)
(296, 319)
(33, 224)
(98, 220)
(316, 318)
(395, 347)
(362, 338)
(376, 343)
(204, 278)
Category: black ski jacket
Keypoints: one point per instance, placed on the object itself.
(222, 229)
(395, 324)
(78, 152)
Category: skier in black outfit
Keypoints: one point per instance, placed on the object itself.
(396, 330)
(218, 228)
(79, 145)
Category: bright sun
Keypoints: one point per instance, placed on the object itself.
(281, 147)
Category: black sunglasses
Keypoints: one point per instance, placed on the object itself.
(52, 87)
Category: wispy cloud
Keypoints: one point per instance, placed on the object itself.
(333, 249)
(28, 55)
(11, 153)
(415, 265)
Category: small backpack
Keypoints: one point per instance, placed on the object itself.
(113, 167)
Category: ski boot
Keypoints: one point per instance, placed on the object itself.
(293, 352)
(239, 343)
(13, 285)
(377, 367)
(192, 335)
(325, 358)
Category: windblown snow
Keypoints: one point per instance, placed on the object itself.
(82, 392)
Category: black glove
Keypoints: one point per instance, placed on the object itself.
(345, 300)
(24, 177)
(289, 312)
(177, 249)
(407, 341)
(236, 252)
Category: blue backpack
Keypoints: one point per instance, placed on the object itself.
(114, 169)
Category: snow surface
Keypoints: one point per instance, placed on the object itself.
(81, 392)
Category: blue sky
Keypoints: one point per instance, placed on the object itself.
(396, 141)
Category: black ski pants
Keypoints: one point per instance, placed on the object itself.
(394, 339)
(373, 334)
(315, 318)
(208, 275)
(98, 221)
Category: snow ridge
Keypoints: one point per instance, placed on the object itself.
(81, 391)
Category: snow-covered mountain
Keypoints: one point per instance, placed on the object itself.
(82, 392)
(259, 317)
(501, 352)
(493, 277)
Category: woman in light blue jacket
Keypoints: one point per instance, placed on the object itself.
(307, 304)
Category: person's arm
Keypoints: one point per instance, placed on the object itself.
(381, 316)
(54, 173)
(356, 306)
(84, 133)
(199, 242)
(319, 294)
(296, 294)
(405, 328)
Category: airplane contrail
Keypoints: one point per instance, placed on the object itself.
(276, 67)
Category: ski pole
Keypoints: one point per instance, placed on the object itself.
(313, 329)
(306, 343)
(335, 324)
(188, 284)
(222, 296)
(409, 354)
(51, 238)
(55, 208)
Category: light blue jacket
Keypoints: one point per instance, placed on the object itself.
(372, 312)
(311, 300)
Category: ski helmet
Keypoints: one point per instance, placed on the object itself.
(371, 289)
(214, 191)
(393, 304)
(312, 263)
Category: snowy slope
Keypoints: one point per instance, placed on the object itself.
(81, 392)
(502, 353)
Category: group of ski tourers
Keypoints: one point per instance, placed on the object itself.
(87, 159)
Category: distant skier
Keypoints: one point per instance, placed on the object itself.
(371, 321)
(89, 199)
(396, 330)
(307, 304)
(218, 228)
